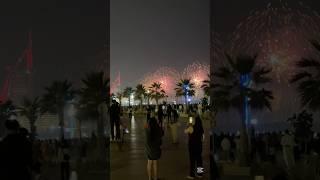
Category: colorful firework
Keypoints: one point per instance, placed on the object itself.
(279, 35)
(168, 77)
(197, 72)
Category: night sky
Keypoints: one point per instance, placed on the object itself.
(67, 36)
(228, 14)
(146, 35)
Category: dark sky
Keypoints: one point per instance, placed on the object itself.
(148, 34)
(66, 35)
(227, 14)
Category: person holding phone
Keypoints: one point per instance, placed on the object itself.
(195, 133)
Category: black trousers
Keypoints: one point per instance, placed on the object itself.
(195, 156)
(65, 170)
(117, 124)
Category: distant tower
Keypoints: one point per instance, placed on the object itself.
(21, 81)
(115, 85)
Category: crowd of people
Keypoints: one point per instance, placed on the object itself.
(159, 118)
(23, 157)
(154, 132)
(276, 147)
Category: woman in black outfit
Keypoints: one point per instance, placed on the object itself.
(196, 133)
(153, 145)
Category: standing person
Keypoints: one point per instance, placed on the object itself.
(15, 154)
(169, 113)
(154, 135)
(174, 126)
(196, 135)
(130, 112)
(287, 142)
(65, 167)
(148, 112)
(115, 119)
(160, 116)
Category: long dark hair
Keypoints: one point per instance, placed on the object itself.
(154, 128)
(198, 128)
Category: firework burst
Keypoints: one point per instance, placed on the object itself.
(168, 77)
(279, 35)
(197, 72)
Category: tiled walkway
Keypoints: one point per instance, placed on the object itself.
(129, 161)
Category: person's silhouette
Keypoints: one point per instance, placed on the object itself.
(15, 154)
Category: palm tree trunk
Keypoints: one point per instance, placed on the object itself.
(244, 135)
(187, 104)
(32, 130)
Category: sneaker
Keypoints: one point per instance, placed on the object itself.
(190, 177)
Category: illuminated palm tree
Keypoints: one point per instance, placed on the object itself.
(119, 96)
(236, 85)
(185, 88)
(127, 92)
(140, 93)
(157, 92)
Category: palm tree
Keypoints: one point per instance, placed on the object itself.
(31, 109)
(148, 96)
(119, 95)
(127, 93)
(55, 98)
(185, 88)
(7, 109)
(308, 81)
(93, 99)
(157, 92)
(140, 93)
(237, 85)
(206, 84)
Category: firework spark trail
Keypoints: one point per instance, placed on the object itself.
(280, 35)
(197, 72)
(168, 77)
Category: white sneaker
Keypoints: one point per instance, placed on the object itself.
(190, 177)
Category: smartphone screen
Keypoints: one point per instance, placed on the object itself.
(190, 120)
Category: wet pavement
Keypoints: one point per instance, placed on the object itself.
(128, 160)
